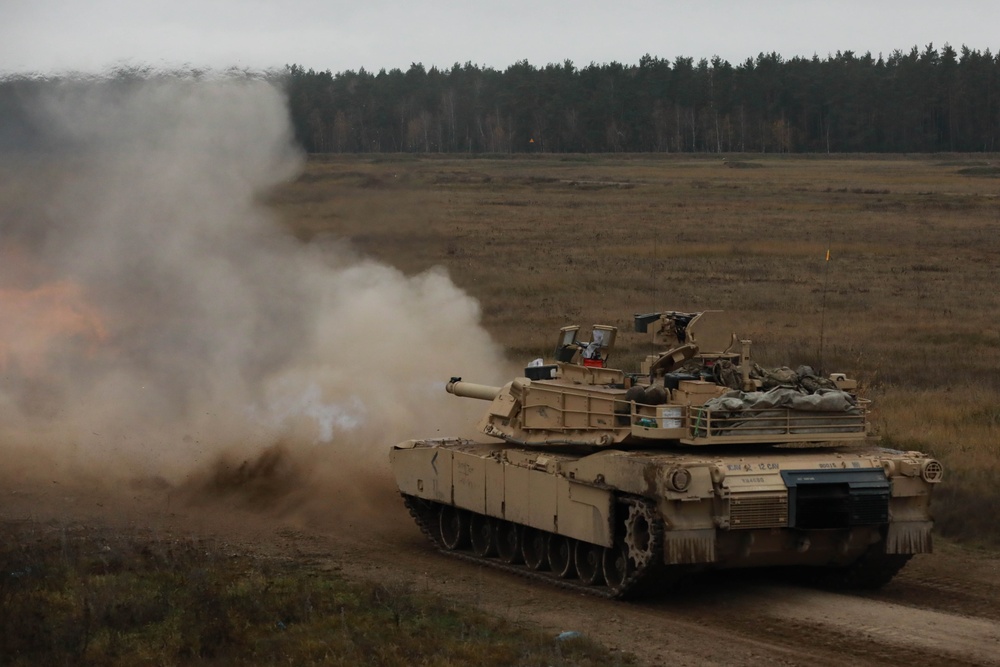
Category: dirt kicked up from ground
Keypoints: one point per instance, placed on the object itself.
(943, 609)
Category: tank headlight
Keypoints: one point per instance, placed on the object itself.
(932, 471)
(889, 467)
(678, 479)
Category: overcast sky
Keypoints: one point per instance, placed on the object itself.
(53, 36)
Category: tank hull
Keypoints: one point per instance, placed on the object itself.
(619, 523)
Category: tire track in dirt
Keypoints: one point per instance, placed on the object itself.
(860, 629)
(924, 584)
(725, 618)
(745, 618)
(902, 630)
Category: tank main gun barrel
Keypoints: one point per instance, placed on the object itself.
(483, 392)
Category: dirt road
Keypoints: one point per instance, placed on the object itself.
(943, 609)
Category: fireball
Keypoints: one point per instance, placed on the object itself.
(36, 323)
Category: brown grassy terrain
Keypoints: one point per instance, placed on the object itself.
(908, 301)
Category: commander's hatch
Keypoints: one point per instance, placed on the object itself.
(592, 353)
(712, 331)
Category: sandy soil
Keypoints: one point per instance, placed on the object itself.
(943, 609)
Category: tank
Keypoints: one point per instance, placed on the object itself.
(621, 483)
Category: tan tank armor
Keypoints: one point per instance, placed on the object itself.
(614, 482)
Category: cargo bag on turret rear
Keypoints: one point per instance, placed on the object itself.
(779, 411)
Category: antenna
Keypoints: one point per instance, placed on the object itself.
(822, 316)
(652, 277)
(655, 267)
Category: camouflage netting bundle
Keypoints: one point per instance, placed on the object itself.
(823, 400)
(782, 390)
(805, 378)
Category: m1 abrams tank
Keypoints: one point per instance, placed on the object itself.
(616, 483)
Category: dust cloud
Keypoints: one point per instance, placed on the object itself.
(156, 322)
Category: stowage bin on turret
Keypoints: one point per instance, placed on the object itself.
(614, 482)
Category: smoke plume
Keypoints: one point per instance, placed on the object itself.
(153, 316)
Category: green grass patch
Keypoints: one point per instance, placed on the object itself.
(81, 595)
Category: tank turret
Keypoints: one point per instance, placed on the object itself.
(612, 481)
(703, 389)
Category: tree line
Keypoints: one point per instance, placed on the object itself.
(926, 100)
(922, 101)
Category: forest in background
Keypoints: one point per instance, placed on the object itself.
(919, 101)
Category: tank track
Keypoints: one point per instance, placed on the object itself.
(870, 572)
(638, 581)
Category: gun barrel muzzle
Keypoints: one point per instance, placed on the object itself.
(483, 392)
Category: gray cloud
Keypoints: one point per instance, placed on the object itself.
(45, 35)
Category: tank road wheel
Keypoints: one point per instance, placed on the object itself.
(639, 534)
(454, 526)
(534, 548)
(587, 558)
(561, 556)
(617, 566)
(482, 535)
(508, 542)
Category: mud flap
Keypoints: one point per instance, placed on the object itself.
(909, 537)
(689, 546)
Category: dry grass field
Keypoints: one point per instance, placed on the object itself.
(908, 301)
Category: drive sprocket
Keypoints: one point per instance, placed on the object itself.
(639, 533)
